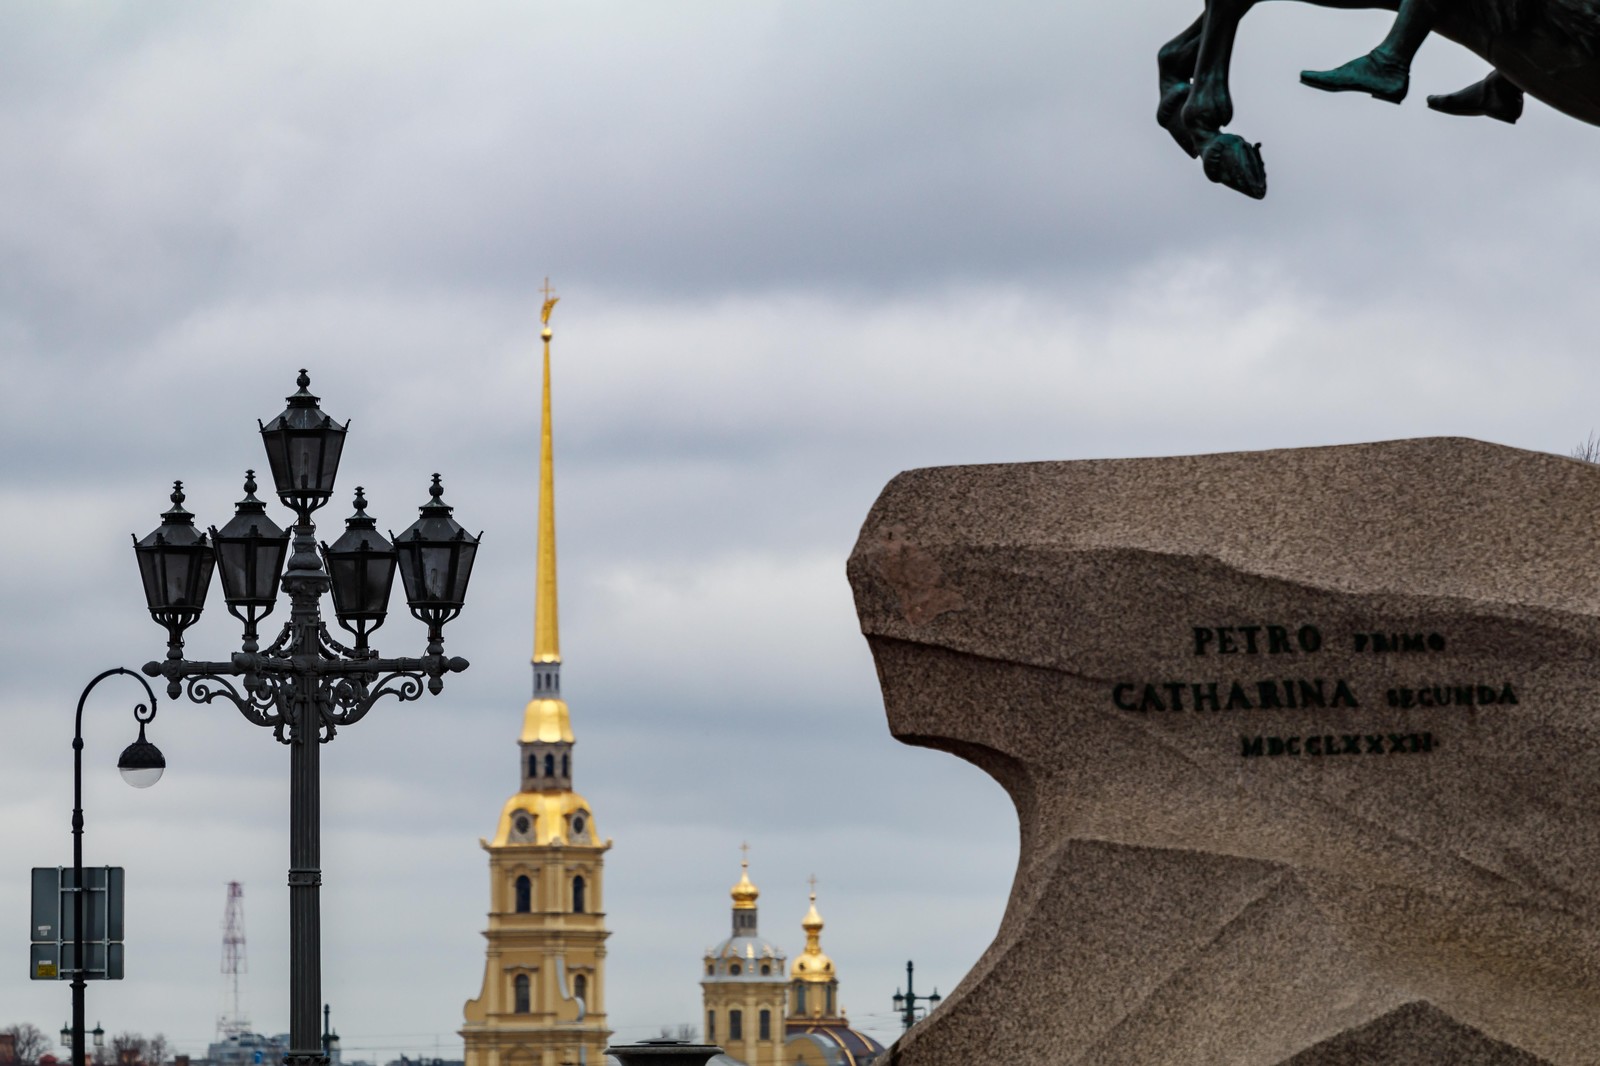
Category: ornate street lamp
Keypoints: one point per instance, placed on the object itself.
(361, 566)
(303, 448)
(250, 548)
(175, 564)
(305, 684)
(437, 556)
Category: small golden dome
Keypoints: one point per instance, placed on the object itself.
(812, 922)
(744, 893)
(546, 721)
(812, 965)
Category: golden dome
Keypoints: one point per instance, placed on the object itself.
(547, 721)
(556, 817)
(744, 893)
(812, 965)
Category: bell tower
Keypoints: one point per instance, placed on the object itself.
(543, 996)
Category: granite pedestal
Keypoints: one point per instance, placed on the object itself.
(1302, 743)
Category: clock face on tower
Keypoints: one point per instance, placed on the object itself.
(521, 826)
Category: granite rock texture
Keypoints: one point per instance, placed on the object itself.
(1302, 745)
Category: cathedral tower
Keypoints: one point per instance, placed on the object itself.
(543, 996)
(813, 986)
(743, 986)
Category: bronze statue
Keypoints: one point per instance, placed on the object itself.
(1548, 49)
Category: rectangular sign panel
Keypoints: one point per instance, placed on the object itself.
(53, 923)
(44, 962)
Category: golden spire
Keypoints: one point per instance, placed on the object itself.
(745, 892)
(546, 627)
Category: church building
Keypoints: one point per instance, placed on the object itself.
(744, 986)
(762, 1016)
(543, 996)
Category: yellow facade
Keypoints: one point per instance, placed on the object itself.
(543, 997)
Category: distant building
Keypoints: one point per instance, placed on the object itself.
(543, 996)
(762, 1017)
(247, 1049)
(743, 987)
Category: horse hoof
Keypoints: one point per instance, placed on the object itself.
(1233, 161)
(1169, 113)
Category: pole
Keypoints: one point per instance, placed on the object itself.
(305, 582)
(907, 1004)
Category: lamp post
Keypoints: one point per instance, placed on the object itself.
(141, 764)
(907, 1004)
(305, 684)
(330, 1039)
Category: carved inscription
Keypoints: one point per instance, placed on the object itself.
(1295, 649)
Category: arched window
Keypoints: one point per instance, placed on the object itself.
(580, 988)
(830, 1000)
(519, 989)
(711, 1025)
(578, 900)
(710, 969)
(766, 969)
(736, 1025)
(549, 766)
(533, 766)
(735, 969)
(766, 1025)
(524, 895)
(566, 766)
(799, 998)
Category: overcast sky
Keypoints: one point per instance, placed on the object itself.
(800, 247)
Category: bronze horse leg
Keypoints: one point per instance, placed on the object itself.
(1203, 105)
(1175, 66)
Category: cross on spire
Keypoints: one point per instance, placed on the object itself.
(812, 881)
(744, 854)
(550, 299)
